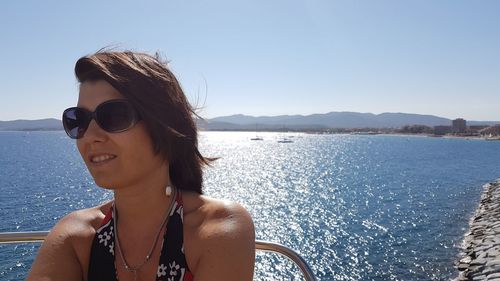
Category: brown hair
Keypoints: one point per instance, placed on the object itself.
(157, 96)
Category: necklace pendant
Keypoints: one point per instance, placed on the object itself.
(168, 190)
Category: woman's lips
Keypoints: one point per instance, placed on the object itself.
(100, 159)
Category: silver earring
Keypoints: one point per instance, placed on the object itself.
(168, 190)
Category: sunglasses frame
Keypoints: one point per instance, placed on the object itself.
(93, 115)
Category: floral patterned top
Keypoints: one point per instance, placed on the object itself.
(173, 265)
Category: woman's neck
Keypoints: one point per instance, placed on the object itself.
(143, 203)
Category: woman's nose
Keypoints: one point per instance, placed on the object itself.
(94, 133)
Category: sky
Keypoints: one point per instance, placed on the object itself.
(265, 57)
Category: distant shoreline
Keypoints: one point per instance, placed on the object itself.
(335, 121)
(361, 133)
(316, 132)
(31, 130)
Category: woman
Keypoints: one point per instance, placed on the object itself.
(135, 132)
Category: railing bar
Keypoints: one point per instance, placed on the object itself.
(39, 236)
(289, 253)
(22, 237)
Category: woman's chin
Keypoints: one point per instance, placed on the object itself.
(106, 184)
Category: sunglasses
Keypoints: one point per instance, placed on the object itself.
(112, 116)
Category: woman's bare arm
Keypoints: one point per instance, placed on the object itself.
(228, 241)
(58, 257)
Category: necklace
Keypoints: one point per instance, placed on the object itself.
(135, 269)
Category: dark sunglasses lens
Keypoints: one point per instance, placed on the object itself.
(75, 122)
(116, 116)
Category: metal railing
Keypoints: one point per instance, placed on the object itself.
(39, 236)
(289, 253)
(22, 237)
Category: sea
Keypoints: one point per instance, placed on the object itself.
(356, 207)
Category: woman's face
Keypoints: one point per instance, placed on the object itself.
(115, 160)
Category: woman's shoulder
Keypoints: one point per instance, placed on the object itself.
(210, 214)
(82, 223)
(220, 238)
(65, 251)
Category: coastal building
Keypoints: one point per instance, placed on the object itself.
(477, 128)
(442, 130)
(459, 126)
(493, 131)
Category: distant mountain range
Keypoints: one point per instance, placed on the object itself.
(50, 124)
(345, 120)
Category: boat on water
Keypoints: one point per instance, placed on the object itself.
(257, 137)
(265, 246)
(285, 138)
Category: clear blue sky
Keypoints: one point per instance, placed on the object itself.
(266, 57)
